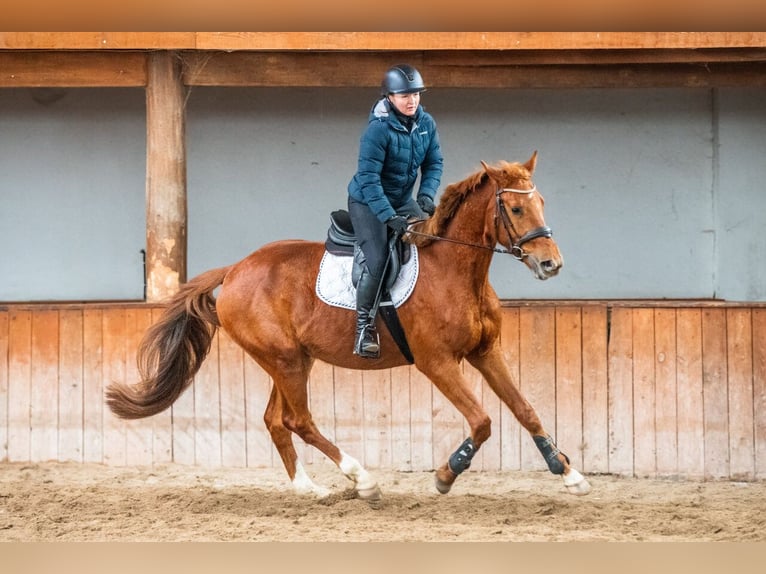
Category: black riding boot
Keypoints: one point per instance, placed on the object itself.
(366, 344)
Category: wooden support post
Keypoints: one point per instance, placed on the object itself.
(166, 217)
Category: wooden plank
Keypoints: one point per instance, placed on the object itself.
(595, 402)
(162, 423)
(376, 390)
(260, 448)
(72, 69)
(207, 411)
(44, 386)
(537, 376)
(569, 383)
(473, 40)
(740, 378)
(691, 432)
(644, 400)
(620, 386)
(715, 393)
(139, 447)
(114, 371)
(4, 320)
(401, 413)
(349, 414)
(421, 419)
(510, 429)
(321, 394)
(19, 384)
(666, 395)
(460, 70)
(338, 40)
(93, 387)
(70, 399)
(233, 419)
(759, 391)
(474, 69)
(97, 40)
(166, 215)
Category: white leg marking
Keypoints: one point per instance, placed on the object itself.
(576, 483)
(304, 485)
(356, 472)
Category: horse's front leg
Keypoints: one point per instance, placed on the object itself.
(447, 377)
(497, 374)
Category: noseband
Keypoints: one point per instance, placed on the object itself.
(516, 248)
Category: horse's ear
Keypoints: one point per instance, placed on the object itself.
(491, 171)
(532, 162)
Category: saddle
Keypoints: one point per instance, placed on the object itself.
(341, 240)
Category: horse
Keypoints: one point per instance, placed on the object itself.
(267, 304)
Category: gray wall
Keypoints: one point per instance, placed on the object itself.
(651, 193)
(72, 173)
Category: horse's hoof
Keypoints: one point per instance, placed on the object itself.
(371, 496)
(442, 487)
(576, 483)
(444, 479)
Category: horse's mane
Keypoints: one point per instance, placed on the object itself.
(455, 194)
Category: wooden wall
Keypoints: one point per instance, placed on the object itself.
(629, 389)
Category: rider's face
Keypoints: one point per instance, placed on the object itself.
(407, 104)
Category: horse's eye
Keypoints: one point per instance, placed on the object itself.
(516, 210)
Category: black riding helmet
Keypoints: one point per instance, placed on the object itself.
(402, 79)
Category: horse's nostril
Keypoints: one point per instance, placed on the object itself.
(549, 265)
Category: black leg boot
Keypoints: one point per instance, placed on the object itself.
(366, 344)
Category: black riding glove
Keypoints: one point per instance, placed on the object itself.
(426, 204)
(398, 223)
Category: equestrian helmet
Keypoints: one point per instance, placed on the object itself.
(402, 79)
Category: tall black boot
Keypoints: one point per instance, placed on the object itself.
(367, 344)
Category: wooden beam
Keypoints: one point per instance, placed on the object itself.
(383, 41)
(469, 68)
(72, 69)
(476, 70)
(165, 177)
(97, 40)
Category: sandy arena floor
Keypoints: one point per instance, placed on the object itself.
(88, 502)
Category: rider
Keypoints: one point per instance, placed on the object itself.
(400, 139)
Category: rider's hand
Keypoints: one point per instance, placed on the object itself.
(398, 223)
(426, 204)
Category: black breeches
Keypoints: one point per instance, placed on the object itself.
(372, 235)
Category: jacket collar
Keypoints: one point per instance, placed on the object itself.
(382, 109)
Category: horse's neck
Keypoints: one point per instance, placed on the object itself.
(468, 253)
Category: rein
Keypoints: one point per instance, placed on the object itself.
(516, 249)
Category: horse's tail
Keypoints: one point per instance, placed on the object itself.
(172, 350)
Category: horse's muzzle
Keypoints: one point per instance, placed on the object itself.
(544, 269)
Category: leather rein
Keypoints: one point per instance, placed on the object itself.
(516, 249)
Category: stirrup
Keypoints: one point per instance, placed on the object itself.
(367, 343)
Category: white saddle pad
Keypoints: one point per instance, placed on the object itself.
(334, 280)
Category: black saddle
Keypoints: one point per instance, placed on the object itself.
(341, 240)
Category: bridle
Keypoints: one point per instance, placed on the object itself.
(516, 249)
(542, 231)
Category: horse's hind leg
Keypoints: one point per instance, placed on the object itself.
(283, 441)
(291, 414)
(495, 370)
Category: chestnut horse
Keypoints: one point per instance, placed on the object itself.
(267, 304)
